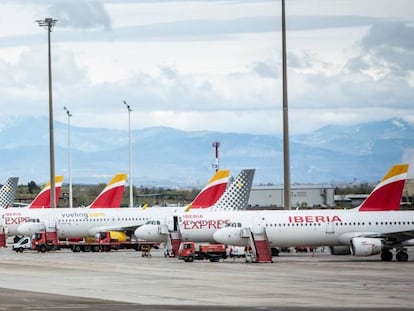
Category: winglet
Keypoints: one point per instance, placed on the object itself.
(8, 192)
(387, 194)
(42, 200)
(212, 191)
(111, 195)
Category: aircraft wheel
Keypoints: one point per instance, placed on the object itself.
(401, 256)
(386, 255)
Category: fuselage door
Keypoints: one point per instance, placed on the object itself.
(258, 225)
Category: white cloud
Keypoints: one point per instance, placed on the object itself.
(210, 64)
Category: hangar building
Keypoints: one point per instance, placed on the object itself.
(302, 196)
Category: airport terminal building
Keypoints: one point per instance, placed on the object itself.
(302, 196)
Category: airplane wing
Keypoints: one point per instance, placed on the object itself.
(399, 236)
(393, 237)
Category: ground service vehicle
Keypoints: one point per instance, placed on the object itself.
(43, 242)
(22, 244)
(189, 251)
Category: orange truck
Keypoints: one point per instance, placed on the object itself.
(190, 251)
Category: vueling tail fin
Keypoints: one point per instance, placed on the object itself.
(8, 192)
(237, 195)
(214, 189)
(387, 194)
(111, 195)
(42, 200)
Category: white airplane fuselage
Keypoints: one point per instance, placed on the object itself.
(76, 222)
(296, 228)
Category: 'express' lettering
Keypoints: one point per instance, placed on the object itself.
(204, 224)
(15, 220)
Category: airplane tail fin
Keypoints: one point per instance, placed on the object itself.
(111, 195)
(42, 200)
(212, 191)
(386, 196)
(8, 192)
(237, 195)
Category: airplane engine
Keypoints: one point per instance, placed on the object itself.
(151, 233)
(231, 236)
(366, 246)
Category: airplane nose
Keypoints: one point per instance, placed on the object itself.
(149, 233)
(139, 233)
(220, 236)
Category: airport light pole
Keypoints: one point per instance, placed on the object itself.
(131, 196)
(216, 145)
(69, 160)
(286, 153)
(49, 23)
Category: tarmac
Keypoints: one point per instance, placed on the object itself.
(125, 280)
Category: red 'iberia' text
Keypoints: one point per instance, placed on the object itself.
(312, 219)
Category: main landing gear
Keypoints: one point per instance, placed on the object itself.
(386, 255)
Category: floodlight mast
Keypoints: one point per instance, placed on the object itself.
(286, 153)
(49, 23)
(69, 159)
(131, 190)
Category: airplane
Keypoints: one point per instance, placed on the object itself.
(13, 218)
(73, 222)
(8, 192)
(234, 198)
(375, 227)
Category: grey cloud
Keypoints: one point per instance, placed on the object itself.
(91, 14)
(81, 14)
(387, 47)
(299, 61)
(202, 29)
(169, 72)
(392, 34)
(357, 64)
(266, 70)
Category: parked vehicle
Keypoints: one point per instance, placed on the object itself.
(44, 242)
(190, 251)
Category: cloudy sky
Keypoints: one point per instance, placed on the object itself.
(209, 65)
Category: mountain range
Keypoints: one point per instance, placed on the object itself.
(168, 157)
